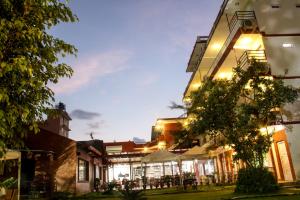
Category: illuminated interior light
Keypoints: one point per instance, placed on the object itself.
(249, 42)
(216, 46)
(196, 85)
(225, 75)
(275, 109)
(187, 100)
(145, 149)
(287, 45)
(271, 129)
(161, 145)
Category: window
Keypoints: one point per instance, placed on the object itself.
(83, 170)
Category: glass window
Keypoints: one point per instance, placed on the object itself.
(83, 170)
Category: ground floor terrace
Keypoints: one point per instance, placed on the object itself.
(199, 164)
(202, 192)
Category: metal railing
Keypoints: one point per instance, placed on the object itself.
(250, 55)
(241, 17)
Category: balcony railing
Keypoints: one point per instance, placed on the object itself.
(250, 55)
(244, 20)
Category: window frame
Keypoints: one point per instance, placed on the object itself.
(86, 171)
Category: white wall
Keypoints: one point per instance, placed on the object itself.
(286, 62)
(282, 20)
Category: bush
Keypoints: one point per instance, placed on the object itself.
(256, 180)
(109, 187)
(61, 195)
(130, 194)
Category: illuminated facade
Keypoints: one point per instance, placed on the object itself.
(268, 31)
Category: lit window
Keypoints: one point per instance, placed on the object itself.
(83, 170)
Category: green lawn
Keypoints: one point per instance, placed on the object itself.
(208, 193)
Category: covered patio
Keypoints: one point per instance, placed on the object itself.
(12, 193)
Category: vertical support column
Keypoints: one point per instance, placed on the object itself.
(172, 168)
(113, 171)
(163, 168)
(179, 163)
(130, 169)
(19, 175)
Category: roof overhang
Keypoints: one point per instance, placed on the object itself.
(196, 53)
(11, 155)
(215, 41)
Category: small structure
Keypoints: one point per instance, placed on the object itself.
(13, 155)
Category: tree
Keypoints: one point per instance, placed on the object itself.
(239, 109)
(29, 62)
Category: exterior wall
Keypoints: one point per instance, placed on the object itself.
(52, 124)
(88, 186)
(169, 130)
(282, 20)
(64, 161)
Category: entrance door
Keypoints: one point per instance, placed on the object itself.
(285, 163)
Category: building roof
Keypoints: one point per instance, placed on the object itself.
(127, 146)
(96, 146)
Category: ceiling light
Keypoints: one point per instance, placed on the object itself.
(225, 75)
(287, 45)
(216, 46)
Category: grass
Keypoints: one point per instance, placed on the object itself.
(207, 193)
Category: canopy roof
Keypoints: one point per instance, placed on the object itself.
(159, 156)
(11, 155)
(196, 153)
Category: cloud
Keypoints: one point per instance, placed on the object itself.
(91, 68)
(84, 115)
(138, 140)
(95, 125)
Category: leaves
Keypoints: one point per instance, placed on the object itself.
(29, 61)
(237, 109)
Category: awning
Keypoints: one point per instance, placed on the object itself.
(11, 155)
(159, 156)
(14, 155)
(196, 153)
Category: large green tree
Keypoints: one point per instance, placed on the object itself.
(29, 62)
(238, 109)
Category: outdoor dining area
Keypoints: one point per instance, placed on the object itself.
(164, 169)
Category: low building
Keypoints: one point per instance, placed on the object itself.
(53, 162)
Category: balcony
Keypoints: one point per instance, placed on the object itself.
(241, 22)
(250, 55)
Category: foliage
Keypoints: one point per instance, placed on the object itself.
(130, 194)
(9, 183)
(251, 180)
(237, 109)
(61, 195)
(29, 62)
(109, 187)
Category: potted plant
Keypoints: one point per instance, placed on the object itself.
(156, 183)
(9, 185)
(167, 180)
(144, 180)
(162, 182)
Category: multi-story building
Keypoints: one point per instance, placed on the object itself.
(268, 31)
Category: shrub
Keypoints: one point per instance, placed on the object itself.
(109, 187)
(130, 194)
(256, 180)
(61, 195)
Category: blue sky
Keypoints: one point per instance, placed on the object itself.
(131, 63)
